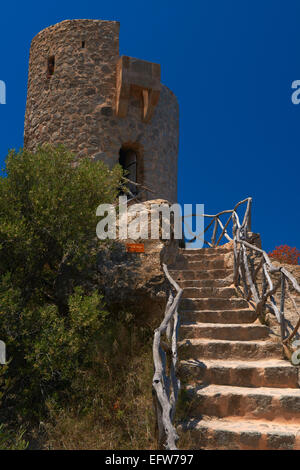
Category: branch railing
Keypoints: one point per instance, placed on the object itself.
(166, 385)
(275, 280)
(221, 228)
(250, 262)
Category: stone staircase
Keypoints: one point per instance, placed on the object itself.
(241, 393)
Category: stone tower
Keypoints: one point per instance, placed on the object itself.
(102, 106)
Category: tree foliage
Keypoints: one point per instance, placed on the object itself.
(286, 254)
(51, 311)
(48, 216)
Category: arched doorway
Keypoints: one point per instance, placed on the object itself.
(128, 161)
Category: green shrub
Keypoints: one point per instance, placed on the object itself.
(77, 376)
(10, 440)
(48, 219)
(51, 312)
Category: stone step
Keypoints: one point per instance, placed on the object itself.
(199, 292)
(238, 434)
(268, 404)
(235, 371)
(218, 316)
(190, 274)
(258, 373)
(215, 251)
(212, 303)
(222, 349)
(204, 256)
(206, 283)
(243, 332)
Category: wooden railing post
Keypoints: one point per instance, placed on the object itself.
(282, 300)
(249, 224)
(213, 238)
(165, 385)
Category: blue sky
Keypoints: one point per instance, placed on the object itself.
(231, 64)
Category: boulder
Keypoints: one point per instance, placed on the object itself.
(135, 281)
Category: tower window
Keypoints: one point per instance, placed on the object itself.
(128, 161)
(51, 65)
(83, 44)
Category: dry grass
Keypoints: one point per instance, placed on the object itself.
(112, 404)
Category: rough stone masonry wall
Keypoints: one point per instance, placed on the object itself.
(76, 105)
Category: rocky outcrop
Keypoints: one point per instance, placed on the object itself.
(135, 280)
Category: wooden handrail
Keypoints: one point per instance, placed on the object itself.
(242, 272)
(166, 385)
(268, 269)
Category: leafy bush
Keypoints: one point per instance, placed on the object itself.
(48, 219)
(51, 312)
(286, 254)
(77, 375)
